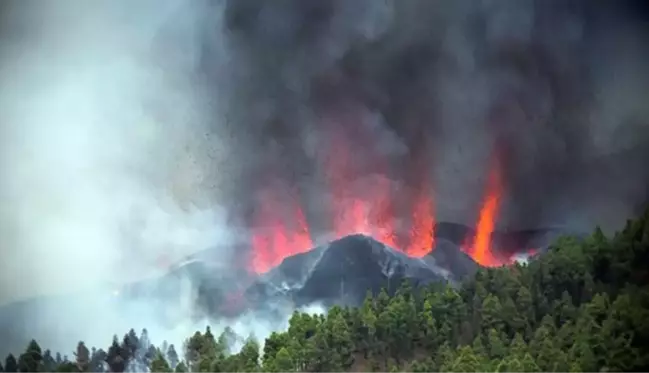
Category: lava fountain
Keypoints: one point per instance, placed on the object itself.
(363, 200)
(282, 229)
(481, 250)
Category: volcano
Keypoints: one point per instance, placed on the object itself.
(339, 272)
(343, 271)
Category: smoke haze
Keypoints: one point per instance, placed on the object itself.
(135, 133)
(108, 167)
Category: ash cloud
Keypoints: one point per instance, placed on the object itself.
(554, 89)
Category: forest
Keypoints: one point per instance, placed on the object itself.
(582, 306)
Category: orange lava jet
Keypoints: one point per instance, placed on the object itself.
(481, 251)
(281, 232)
(480, 248)
(364, 200)
(422, 236)
(366, 207)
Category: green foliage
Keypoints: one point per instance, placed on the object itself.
(582, 306)
(159, 363)
(181, 367)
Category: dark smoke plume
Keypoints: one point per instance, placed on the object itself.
(555, 88)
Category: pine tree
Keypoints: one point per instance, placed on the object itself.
(148, 356)
(172, 356)
(249, 355)
(429, 327)
(114, 357)
(342, 342)
(31, 360)
(159, 364)
(518, 348)
(273, 344)
(130, 345)
(283, 361)
(193, 350)
(466, 361)
(546, 356)
(492, 313)
(97, 359)
(82, 357)
(11, 365)
(529, 365)
(48, 361)
(497, 348)
(181, 367)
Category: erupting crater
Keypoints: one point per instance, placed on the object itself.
(283, 230)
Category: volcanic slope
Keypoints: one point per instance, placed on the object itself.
(340, 272)
(344, 270)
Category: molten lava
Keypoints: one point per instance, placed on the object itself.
(422, 235)
(363, 199)
(356, 210)
(481, 246)
(279, 235)
(481, 250)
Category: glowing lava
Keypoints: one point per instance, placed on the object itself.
(361, 201)
(359, 207)
(282, 231)
(481, 247)
(482, 252)
(422, 235)
(362, 198)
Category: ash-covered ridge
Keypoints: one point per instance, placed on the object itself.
(343, 271)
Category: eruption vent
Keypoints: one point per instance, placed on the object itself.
(364, 200)
(371, 207)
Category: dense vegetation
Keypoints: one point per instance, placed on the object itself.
(583, 306)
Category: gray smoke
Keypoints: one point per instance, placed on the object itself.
(111, 164)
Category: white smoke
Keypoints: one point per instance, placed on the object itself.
(110, 156)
